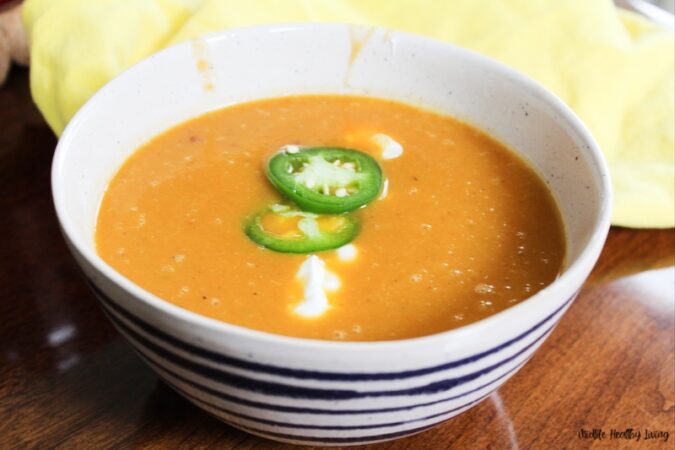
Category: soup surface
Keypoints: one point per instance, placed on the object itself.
(462, 229)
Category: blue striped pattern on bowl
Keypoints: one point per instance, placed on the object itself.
(260, 398)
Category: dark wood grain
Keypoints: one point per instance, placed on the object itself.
(68, 380)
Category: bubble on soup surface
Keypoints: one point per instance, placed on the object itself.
(484, 288)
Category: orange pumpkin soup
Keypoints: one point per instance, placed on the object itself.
(461, 228)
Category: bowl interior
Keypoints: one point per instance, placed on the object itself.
(242, 65)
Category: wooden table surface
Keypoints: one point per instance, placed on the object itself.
(68, 380)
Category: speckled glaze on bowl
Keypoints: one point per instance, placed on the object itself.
(314, 392)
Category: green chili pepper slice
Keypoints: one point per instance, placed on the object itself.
(325, 180)
(286, 229)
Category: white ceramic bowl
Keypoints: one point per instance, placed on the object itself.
(315, 392)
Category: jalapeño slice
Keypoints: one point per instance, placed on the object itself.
(285, 229)
(325, 179)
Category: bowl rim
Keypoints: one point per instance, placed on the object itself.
(577, 269)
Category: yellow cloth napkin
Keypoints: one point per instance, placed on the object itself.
(615, 69)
